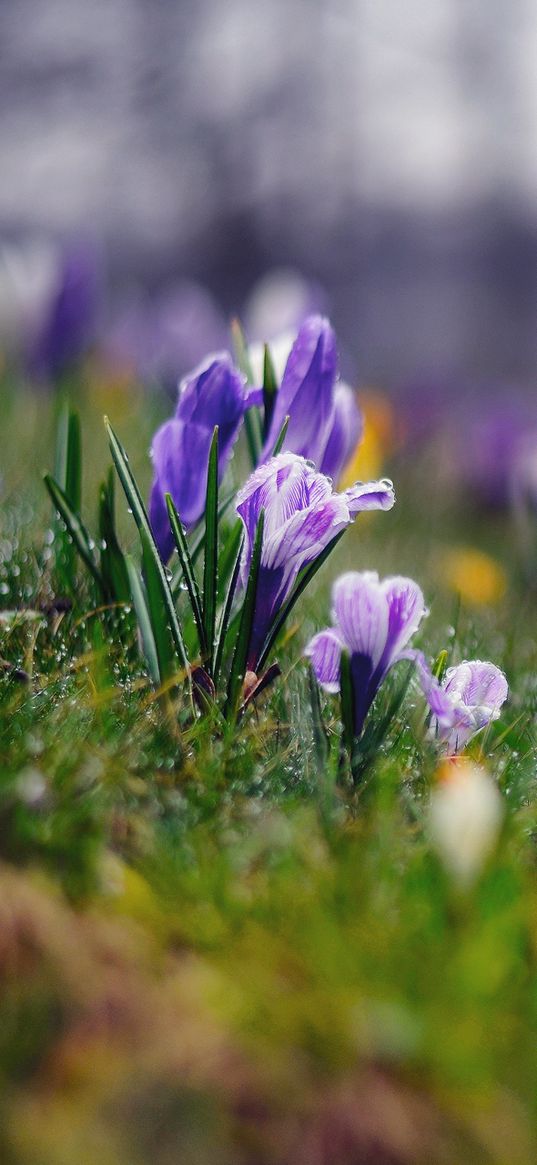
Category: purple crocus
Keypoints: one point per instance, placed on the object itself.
(476, 690)
(325, 421)
(215, 393)
(374, 620)
(345, 431)
(70, 322)
(302, 516)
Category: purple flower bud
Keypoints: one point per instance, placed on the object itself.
(302, 516)
(214, 394)
(325, 421)
(476, 691)
(306, 393)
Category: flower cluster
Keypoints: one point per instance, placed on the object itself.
(303, 516)
(325, 423)
(218, 624)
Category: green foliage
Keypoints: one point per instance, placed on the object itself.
(212, 948)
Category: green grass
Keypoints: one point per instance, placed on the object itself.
(211, 950)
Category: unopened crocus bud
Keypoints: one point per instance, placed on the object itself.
(465, 817)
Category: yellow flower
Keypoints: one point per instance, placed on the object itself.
(477, 577)
(368, 459)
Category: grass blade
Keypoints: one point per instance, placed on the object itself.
(75, 527)
(347, 702)
(227, 560)
(270, 390)
(68, 458)
(281, 436)
(113, 567)
(252, 419)
(73, 474)
(144, 622)
(210, 562)
(320, 735)
(238, 666)
(198, 543)
(68, 475)
(156, 607)
(187, 570)
(304, 580)
(226, 609)
(134, 498)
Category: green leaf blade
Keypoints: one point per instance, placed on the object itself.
(143, 619)
(134, 499)
(238, 666)
(75, 527)
(210, 563)
(156, 607)
(187, 570)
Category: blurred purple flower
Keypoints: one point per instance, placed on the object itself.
(302, 516)
(70, 322)
(495, 440)
(159, 338)
(325, 421)
(374, 621)
(483, 432)
(213, 394)
(476, 690)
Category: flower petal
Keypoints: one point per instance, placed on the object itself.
(179, 454)
(345, 432)
(440, 704)
(324, 651)
(477, 690)
(306, 391)
(361, 611)
(406, 607)
(370, 495)
(479, 683)
(282, 487)
(214, 394)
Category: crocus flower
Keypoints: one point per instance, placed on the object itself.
(302, 516)
(465, 817)
(374, 621)
(215, 393)
(476, 690)
(71, 319)
(325, 421)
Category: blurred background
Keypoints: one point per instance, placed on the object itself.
(371, 158)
